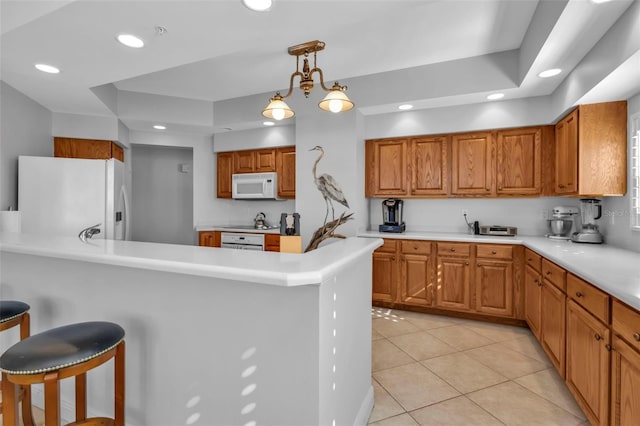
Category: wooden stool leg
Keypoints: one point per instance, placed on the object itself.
(119, 385)
(81, 397)
(27, 413)
(9, 402)
(51, 399)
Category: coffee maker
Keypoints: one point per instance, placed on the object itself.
(392, 216)
(590, 211)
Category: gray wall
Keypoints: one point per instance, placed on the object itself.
(162, 196)
(25, 129)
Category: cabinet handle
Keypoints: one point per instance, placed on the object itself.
(539, 283)
(529, 259)
(598, 337)
(494, 252)
(579, 294)
(453, 249)
(548, 272)
(487, 189)
(535, 280)
(466, 263)
(636, 336)
(608, 347)
(561, 186)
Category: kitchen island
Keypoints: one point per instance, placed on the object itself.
(214, 336)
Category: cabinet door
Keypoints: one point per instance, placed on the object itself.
(429, 166)
(625, 384)
(532, 294)
(286, 169)
(265, 160)
(566, 173)
(519, 163)
(384, 277)
(588, 363)
(209, 238)
(416, 279)
(386, 168)
(82, 148)
(552, 325)
(472, 164)
(453, 285)
(494, 287)
(272, 242)
(223, 173)
(244, 161)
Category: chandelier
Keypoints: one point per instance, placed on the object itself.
(335, 101)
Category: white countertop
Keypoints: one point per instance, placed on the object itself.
(282, 269)
(230, 228)
(613, 270)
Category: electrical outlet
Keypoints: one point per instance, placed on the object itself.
(544, 214)
(465, 212)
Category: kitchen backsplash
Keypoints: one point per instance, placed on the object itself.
(239, 212)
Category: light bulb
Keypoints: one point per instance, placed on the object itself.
(278, 113)
(335, 105)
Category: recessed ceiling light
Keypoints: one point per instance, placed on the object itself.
(405, 107)
(258, 5)
(494, 96)
(160, 127)
(47, 68)
(130, 40)
(550, 73)
(600, 1)
(268, 123)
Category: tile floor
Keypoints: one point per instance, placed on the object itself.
(435, 370)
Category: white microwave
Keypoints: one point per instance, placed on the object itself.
(255, 186)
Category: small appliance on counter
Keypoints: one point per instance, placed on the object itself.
(392, 216)
(590, 211)
(562, 222)
(498, 230)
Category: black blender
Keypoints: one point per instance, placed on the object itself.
(392, 216)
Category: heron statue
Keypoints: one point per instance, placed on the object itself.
(327, 186)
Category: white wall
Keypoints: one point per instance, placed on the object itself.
(25, 129)
(85, 126)
(616, 220)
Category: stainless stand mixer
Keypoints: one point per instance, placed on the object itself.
(562, 222)
(590, 211)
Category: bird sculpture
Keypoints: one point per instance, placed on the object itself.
(327, 186)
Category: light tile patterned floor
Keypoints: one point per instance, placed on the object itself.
(436, 370)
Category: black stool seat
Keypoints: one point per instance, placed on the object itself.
(10, 309)
(61, 347)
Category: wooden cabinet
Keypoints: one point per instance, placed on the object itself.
(280, 160)
(87, 148)
(587, 362)
(286, 169)
(591, 150)
(386, 168)
(223, 172)
(519, 161)
(429, 165)
(453, 286)
(625, 384)
(416, 273)
(472, 164)
(532, 299)
(494, 282)
(209, 238)
(271, 242)
(385, 272)
(553, 314)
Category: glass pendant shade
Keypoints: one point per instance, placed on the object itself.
(336, 101)
(277, 109)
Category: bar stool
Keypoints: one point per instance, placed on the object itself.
(14, 313)
(59, 353)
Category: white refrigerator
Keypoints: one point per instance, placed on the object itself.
(63, 196)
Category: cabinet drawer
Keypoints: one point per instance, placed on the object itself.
(418, 247)
(453, 249)
(389, 246)
(626, 323)
(495, 251)
(589, 297)
(554, 274)
(533, 259)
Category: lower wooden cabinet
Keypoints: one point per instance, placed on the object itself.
(271, 242)
(552, 325)
(416, 273)
(209, 238)
(587, 362)
(625, 384)
(532, 299)
(385, 272)
(494, 287)
(453, 288)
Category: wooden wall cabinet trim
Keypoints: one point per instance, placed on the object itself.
(591, 150)
(472, 164)
(87, 148)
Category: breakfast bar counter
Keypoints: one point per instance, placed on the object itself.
(214, 336)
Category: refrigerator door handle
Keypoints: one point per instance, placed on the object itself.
(125, 207)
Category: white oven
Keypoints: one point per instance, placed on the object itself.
(255, 186)
(242, 241)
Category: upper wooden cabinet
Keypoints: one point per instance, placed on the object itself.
(591, 150)
(280, 160)
(472, 164)
(386, 167)
(286, 169)
(87, 148)
(519, 160)
(429, 163)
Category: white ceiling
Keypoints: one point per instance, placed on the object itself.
(217, 50)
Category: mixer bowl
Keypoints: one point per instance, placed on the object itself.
(560, 227)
